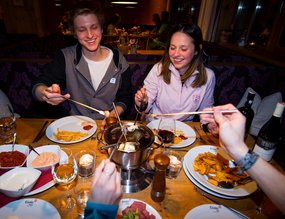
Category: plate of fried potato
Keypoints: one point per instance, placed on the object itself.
(210, 165)
(184, 134)
(71, 129)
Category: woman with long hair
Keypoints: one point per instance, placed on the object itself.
(179, 82)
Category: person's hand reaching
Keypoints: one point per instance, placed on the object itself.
(52, 95)
(106, 186)
(231, 130)
(141, 97)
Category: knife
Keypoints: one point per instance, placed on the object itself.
(41, 132)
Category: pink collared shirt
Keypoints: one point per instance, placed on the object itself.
(175, 97)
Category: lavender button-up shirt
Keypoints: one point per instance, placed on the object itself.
(175, 97)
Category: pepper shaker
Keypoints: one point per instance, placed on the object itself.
(161, 162)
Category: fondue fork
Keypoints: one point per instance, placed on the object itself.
(116, 146)
(89, 107)
(192, 113)
(120, 123)
(82, 104)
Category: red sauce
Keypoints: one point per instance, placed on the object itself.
(87, 127)
(11, 158)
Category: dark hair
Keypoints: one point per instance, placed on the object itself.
(86, 11)
(195, 33)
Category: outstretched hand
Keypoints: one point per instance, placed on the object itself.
(53, 96)
(106, 186)
(141, 97)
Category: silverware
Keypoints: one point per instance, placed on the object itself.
(33, 149)
(219, 203)
(192, 113)
(14, 140)
(200, 136)
(120, 123)
(41, 132)
(89, 107)
(82, 104)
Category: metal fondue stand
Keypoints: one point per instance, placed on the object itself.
(136, 180)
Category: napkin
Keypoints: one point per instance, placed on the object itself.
(45, 177)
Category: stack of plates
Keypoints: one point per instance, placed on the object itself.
(201, 181)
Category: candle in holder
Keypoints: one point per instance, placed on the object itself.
(175, 164)
(86, 163)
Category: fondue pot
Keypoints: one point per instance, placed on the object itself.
(131, 150)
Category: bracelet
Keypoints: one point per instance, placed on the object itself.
(247, 162)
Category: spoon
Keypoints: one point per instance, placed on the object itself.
(33, 149)
(14, 140)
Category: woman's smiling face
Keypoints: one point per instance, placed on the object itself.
(88, 31)
(181, 51)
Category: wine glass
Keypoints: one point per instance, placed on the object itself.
(7, 124)
(64, 173)
(166, 130)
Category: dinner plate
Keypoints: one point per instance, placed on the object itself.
(129, 201)
(205, 189)
(29, 208)
(181, 126)
(47, 185)
(210, 211)
(239, 191)
(70, 123)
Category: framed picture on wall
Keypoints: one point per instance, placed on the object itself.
(18, 2)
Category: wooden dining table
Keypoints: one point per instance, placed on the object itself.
(181, 194)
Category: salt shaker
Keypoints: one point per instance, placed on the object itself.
(161, 162)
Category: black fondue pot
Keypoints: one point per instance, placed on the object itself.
(134, 148)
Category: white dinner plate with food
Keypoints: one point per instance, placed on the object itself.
(29, 208)
(181, 129)
(71, 129)
(205, 189)
(129, 204)
(237, 191)
(48, 184)
(212, 211)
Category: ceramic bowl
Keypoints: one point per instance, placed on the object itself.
(47, 148)
(17, 147)
(18, 181)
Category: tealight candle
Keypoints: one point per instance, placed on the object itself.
(86, 163)
(175, 164)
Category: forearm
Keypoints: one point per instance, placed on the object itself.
(100, 211)
(271, 182)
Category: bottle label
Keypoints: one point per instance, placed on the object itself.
(266, 145)
(265, 154)
(265, 149)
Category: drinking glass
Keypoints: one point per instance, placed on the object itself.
(166, 130)
(7, 124)
(82, 191)
(64, 173)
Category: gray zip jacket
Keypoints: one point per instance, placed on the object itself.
(70, 70)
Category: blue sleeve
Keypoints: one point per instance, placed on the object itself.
(100, 211)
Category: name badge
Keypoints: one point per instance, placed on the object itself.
(113, 80)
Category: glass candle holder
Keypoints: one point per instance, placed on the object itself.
(86, 160)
